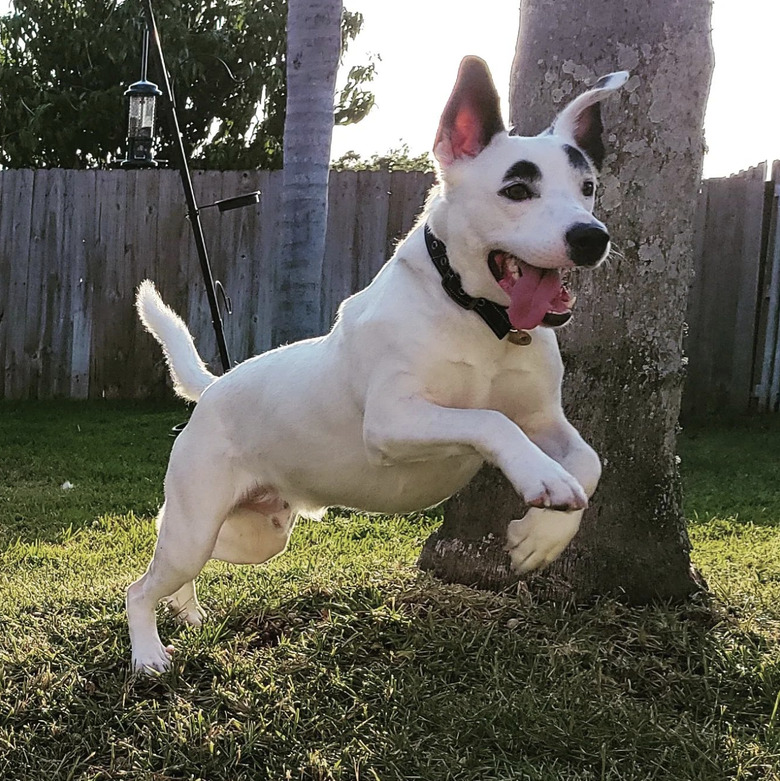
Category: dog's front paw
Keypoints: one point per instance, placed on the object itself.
(539, 537)
(554, 489)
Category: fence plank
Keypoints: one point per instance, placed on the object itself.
(45, 341)
(235, 256)
(17, 195)
(208, 188)
(770, 347)
(78, 245)
(723, 304)
(371, 217)
(266, 250)
(141, 215)
(704, 332)
(694, 315)
(109, 258)
(769, 301)
(339, 268)
(746, 272)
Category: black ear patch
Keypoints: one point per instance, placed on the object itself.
(603, 81)
(580, 120)
(588, 134)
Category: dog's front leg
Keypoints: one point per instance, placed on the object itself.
(541, 535)
(408, 429)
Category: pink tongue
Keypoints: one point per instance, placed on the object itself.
(536, 293)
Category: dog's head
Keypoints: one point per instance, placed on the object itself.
(521, 206)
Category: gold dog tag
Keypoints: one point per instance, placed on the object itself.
(519, 337)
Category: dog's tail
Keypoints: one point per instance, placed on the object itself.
(188, 372)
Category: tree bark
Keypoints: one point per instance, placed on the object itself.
(623, 349)
(313, 50)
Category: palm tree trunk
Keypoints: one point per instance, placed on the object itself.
(313, 50)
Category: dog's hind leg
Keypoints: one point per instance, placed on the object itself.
(198, 497)
(183, 547)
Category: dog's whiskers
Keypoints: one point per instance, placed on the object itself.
(615, 252)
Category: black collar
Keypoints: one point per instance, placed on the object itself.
(492, 313)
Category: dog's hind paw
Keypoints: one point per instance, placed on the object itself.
(190, 613)
(184, 605)
(156, 658)
(539, 537)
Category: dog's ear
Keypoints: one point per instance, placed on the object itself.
(472, 115)
(580, 121)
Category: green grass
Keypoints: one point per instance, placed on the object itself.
(340, 661)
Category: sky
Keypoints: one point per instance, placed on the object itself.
(421, 42)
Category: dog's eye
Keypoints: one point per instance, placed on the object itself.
(517, 192)
(588, 188)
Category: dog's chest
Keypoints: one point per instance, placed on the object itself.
(459, 384)
(488, 379)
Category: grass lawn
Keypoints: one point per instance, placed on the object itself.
(340, 661)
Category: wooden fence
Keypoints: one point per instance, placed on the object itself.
(733, 344)
(75, 244)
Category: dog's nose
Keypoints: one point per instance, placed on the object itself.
(587, 244)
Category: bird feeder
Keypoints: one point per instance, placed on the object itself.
(141, 109)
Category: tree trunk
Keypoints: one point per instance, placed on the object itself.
(313, 50)
(623, 349)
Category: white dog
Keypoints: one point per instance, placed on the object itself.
(441, 363)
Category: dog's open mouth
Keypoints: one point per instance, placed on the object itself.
(539, 295)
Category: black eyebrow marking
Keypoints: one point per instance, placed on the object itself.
(577, 160)
(523, 169)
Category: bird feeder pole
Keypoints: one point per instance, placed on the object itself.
(193, 210)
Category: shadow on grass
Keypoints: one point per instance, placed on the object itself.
(398, 682)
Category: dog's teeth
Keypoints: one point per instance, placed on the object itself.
(512, 266)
